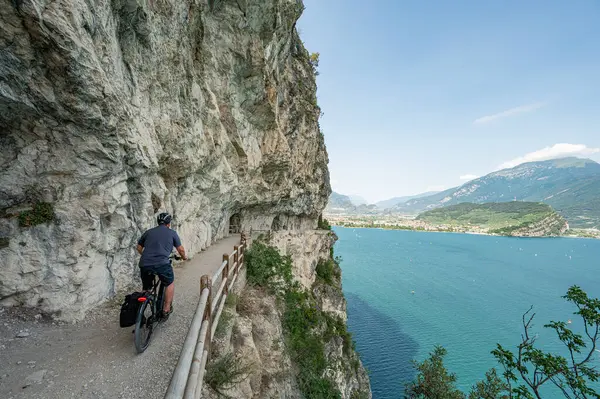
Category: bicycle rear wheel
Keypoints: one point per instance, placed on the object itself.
(144, 325)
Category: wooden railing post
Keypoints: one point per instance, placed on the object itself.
(202, 350)
(206, 283)
(225, 272)
(236, 257)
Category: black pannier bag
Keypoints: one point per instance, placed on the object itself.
(129, 309)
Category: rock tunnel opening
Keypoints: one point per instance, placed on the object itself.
(235, 224)
(277, 224)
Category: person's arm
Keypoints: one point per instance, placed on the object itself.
(178, 246)
(181, 251)
(140, 249)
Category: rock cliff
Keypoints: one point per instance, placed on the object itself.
(254, 353)
(113, 110)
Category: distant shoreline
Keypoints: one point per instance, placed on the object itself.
(431, 229)
(416, 230)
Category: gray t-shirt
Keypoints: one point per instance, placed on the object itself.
(158, 243)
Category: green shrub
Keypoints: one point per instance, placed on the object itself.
(224, 320)
(232, 300)
(323, 224)
(301, 321)
(574, 375)
(225, 372)
(267, 268)
(433, 380)
(328, 272)
(42, 212)
(360, 395)
(313, 59)
(227, 315)
(337, 327)
(306, 328)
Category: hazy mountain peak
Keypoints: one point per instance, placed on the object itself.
(358, 200)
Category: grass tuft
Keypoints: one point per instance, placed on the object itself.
(225, 372)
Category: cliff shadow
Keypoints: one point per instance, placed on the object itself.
(385, 350)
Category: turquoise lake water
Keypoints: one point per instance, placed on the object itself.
(470, 292)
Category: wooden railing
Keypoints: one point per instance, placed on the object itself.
(187, 378)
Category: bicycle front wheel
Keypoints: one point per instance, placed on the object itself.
(144, 324)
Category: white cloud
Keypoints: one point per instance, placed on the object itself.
(509, 112)
(556, 151)
(468, 177)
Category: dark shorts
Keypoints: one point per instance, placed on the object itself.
(164, 272)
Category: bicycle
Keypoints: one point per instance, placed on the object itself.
(151, 303)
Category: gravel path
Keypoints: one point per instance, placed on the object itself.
(96, 358)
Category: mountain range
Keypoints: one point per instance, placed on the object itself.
(339, 203)
(399, 200)
(570, 185)
(358, 200)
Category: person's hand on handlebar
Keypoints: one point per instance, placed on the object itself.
(181, 251)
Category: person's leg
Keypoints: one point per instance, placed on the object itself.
(147, 279)
(169, 293)
(167, 277)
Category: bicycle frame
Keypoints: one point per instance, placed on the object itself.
(153, 298)
(156, 297)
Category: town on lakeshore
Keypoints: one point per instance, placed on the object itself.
(408, 222)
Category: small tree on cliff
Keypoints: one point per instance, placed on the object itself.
(530, 368)
(433, 380)
(323, 224)
(313, 58)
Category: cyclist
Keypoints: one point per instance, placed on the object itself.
(156, 246)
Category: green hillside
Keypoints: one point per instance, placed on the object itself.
(499, 217)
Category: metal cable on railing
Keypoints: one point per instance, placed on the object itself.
(187, 378)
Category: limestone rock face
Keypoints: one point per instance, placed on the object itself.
(111, 111)
(253, 332)
(307, 248)
(255, 337)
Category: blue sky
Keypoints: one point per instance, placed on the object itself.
(418, 93)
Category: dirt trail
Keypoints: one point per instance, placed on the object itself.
(96, 358)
